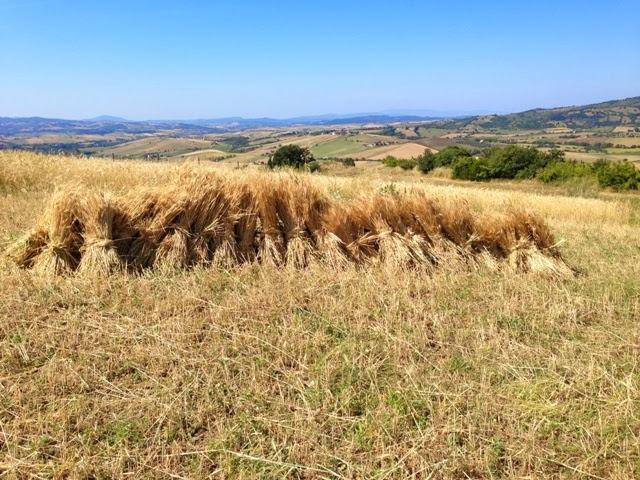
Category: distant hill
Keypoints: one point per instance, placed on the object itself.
(107, 124)
(607, 114)
(613, 113)
(239, 123)
(37, 126)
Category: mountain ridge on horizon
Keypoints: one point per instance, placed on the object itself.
(392, 112)
(539, 117)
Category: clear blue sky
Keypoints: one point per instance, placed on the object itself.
(204, 59)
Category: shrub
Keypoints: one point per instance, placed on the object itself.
(563, 171)
(469, 168)
(448, 156)
(314, 166)
(619, 176)
(426, 161)
(407, 164)
(515, 162)
(291, 156)
(391, 161)
(600, 164)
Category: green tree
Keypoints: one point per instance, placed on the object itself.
(291, 156)
(619, 176)
(448, 156)
(515, 162)
(426, 161)
(469, 168)
(563, 171)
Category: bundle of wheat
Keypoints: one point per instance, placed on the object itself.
(27, 249)
(339, 232)
(64, 238)
(300, 209)
(271, 241)
(170, 231)
(214, 211)
(144, 233)
(246, 227)
(98, 252)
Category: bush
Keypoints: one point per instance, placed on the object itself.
(291, 156)
(508, 162)
(469, 168)
(391, 161)
(426, 161)
(314, 166)
(407, 164)
(619, 176)
(515, 162)
(448, 156)
(563, 171)
(600, 164)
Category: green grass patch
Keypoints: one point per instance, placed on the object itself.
(337, 148)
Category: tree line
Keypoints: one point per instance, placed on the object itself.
(517, 162)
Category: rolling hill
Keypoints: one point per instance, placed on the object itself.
(37, 125)
(613, 113)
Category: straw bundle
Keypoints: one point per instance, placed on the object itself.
(98, 253)
(61, 254)
(246, 227)
(300, 208)
(170, 231)
(271, 241)
(26, 250)
(147, 210)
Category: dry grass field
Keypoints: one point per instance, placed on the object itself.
(378, 372)
(152, 145)
(405, 150)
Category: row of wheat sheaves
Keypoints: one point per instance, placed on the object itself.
(216, 220)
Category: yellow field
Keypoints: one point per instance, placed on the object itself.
(405, 150)
(590, 157)
(152, 145)
(309, 140)
(207, 153)
(262, 372)
(628, 141)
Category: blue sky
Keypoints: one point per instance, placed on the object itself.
(206, 59)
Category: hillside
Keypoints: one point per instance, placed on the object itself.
(613, 113)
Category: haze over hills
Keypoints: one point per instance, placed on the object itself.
(38, 125)
(109, 124)
(605, 114)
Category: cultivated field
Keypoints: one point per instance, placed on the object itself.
(151, 145)
(461, 371)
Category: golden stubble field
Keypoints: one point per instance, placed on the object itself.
(263, 372)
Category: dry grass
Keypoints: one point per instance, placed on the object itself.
(261, 372)
(405, 150)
